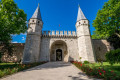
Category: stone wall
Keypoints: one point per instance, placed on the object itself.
(100, 48)
(17, 53)
(46, 44)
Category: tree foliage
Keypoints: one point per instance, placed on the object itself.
(113, 56)
(107, 21)
(114, 40)
(12, 21)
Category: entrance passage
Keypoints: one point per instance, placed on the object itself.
(58, 55)
(58, 51)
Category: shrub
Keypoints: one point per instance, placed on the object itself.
(113, 56)
(86, 62)
(1, 74)
(1, 56)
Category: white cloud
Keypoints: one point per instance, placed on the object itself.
(23, 38)
(24, 34)
(15, 42)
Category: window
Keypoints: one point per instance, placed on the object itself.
(32, 20)
(84, 21)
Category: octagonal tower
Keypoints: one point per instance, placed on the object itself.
(85, 48)
(34, 33)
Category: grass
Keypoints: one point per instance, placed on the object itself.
(105, 71)
(10, 68)
(107, 67)
(6, 64)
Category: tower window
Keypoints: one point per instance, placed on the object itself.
(84, 21)
(32, 20)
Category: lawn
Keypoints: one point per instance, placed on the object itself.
(105, 71)
(10, 68)
(115, 68)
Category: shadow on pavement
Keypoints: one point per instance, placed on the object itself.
(50, 65)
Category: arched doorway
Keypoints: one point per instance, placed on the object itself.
(58, 51)
(58, 55)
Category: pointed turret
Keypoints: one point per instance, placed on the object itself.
(80, 15)
(37, 14)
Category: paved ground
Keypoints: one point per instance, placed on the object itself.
(50, 71)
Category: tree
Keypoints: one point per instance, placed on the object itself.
(112, 60)
(107, 21)
(12, 21)
(114, 40)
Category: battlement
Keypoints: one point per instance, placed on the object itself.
(59, 33)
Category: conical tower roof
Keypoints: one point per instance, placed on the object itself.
(80, 15)
(37, 14)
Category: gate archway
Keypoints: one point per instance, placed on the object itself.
(58, 51)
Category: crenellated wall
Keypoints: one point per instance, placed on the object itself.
(58, 33)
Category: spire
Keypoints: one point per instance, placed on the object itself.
(37, 14)
(80, 15)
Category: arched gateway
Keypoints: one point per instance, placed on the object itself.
(58, 51)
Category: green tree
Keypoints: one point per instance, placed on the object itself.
(12, 21)
(112, 60)
(107, 21)
(114, 40)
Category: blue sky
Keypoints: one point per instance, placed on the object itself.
(55, 12)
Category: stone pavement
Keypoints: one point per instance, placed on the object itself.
(50, 71)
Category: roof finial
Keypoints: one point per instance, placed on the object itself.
(78, 5)
(38, 4)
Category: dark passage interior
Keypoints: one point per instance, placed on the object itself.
(58, 55)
